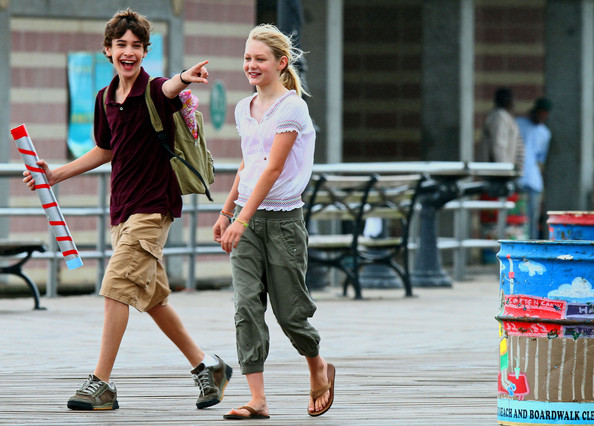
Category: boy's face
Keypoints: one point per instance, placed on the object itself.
(127, 53)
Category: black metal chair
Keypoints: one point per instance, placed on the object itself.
(391, 200)
(345, 203)
(337, 201)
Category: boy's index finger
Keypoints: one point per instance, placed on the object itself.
(201, 64)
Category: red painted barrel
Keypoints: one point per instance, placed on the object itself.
(571, 225)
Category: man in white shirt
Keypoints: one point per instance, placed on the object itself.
(501, 135)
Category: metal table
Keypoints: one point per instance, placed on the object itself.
(447, 181)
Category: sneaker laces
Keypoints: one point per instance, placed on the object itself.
(201, 380)
(90, 386)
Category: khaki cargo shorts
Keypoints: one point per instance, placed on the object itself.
(135, 274)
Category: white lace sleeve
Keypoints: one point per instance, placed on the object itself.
(239, 114)
(293, 115)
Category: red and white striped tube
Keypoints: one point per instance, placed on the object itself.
(47, 198)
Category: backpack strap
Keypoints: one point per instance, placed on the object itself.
(158, 126)
(105, 100)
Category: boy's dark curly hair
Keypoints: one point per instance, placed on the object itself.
(123, 21)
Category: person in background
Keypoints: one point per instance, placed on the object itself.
(501, 134)
(537, 137)
(501, 142)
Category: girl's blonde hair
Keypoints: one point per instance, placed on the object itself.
(281, 45)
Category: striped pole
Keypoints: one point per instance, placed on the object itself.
(47, 198)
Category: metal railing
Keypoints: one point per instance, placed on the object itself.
(460, 242)
(102, 252)
(193, 207)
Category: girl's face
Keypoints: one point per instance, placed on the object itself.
(126, 53)
(260, 65)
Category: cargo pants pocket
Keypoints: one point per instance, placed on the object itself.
(142, 268)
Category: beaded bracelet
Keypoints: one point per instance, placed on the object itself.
(227, 215)
(242, 222)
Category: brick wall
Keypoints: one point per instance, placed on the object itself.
(382, 80)
(39, 98)
(213, 29)
(382, 70)
(509, 51)
(216, 30)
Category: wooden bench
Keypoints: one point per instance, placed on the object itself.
(12, 249)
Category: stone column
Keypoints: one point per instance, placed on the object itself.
(447, 81)
(569, 77)
(5, 141)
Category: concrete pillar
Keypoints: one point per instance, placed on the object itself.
(447, 124)
(322, 38)
(569, 77)
(5, 83)
(175, 64)
(175, 38)
(466, 80)
(334, 81)
(447, 82)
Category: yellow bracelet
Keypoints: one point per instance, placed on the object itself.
(242, 222)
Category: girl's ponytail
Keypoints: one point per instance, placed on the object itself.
(291, 80)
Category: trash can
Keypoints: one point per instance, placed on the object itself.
(546, 333)
(571, 225)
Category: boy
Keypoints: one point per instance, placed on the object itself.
(145, 197)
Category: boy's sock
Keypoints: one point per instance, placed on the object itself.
(209, 360)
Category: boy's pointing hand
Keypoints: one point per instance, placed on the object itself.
(197, 74)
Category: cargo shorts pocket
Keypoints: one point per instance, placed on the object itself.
(142, 268)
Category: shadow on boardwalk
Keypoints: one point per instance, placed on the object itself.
(427, 360)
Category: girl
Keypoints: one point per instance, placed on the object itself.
(266, 236)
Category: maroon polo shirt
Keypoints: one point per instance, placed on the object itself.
(142, 180)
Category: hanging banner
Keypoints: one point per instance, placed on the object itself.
(153, 63)
(87, 73)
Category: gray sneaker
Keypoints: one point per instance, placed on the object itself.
(212, 382)
(94, 394)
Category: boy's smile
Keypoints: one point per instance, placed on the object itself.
(126, 53)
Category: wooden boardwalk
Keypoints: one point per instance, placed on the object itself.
(429, 360)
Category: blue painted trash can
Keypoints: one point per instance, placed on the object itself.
(571, 225)
(546, 321)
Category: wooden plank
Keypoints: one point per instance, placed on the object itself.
(426, 360)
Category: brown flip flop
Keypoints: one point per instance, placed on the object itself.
(253, 414)
(329, 387)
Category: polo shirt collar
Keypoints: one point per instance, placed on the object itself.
(137, 89)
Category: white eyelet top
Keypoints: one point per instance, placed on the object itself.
(288, 114)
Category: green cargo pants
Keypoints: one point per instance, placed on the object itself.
(271, 257)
